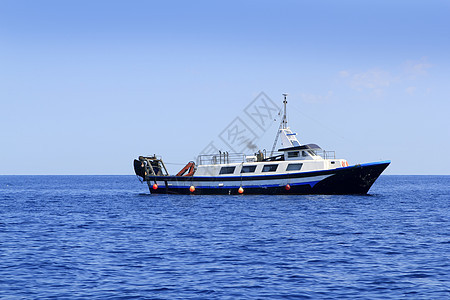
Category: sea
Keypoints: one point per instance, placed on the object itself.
(107, 237)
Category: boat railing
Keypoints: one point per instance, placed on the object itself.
(221, 158)
(227, 158)
(326, 154)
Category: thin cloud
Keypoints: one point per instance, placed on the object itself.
(312, 98)
(344, 73)
(377, 80)
(410, 90)
(414, 69)
(374, 80)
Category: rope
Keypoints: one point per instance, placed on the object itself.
(177, 164)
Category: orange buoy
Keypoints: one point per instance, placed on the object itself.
(155, 186)
(241, 190)
(192, 189)
(287, 187)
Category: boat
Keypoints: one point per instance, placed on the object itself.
(294, 169)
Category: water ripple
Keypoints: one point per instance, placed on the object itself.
(97, 237)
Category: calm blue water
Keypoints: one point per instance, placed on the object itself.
(97, 237)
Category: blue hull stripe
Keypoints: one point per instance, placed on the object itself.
(311, 183)
(172, 178)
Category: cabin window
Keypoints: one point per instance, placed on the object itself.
(294, 167)
(248, 169)
(293, 154)
(304, 154)
(227, 170)
(270, 168)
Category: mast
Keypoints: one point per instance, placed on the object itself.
(283, 125)
(284, 120)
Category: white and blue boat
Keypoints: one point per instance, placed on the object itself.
(295, 169)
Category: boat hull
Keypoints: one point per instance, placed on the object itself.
(356, 179)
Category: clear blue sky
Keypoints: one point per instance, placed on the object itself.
(86, 86)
